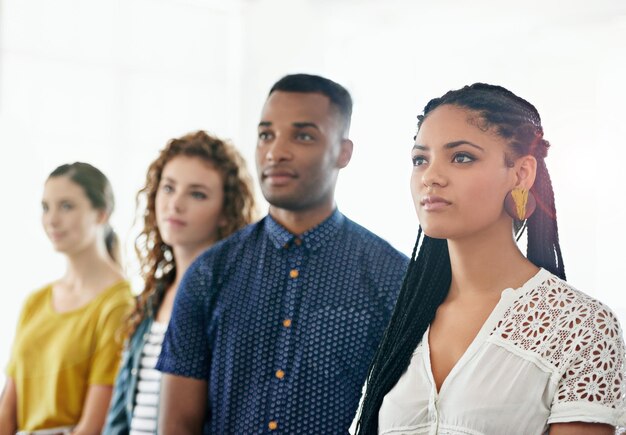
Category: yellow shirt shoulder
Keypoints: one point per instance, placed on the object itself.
(57, 356)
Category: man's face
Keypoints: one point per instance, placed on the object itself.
(300, 150)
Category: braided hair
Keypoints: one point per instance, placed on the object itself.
(428, 277)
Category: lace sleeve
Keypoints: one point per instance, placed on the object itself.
(591, 386)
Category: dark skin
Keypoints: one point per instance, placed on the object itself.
(182, 405)
(301, 148)
(457, 161)
(300, 151)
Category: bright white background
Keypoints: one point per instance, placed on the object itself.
(110, 81)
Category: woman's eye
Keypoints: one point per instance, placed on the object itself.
(462, 158)
(198, 195)
(66, 206)
(418, 160)
(167, 188)
(44, 207)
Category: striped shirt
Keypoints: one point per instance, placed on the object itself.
(145, 412)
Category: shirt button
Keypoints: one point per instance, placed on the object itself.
(273, 425)
(287, 323)
(280, 374)
(133, 371)
(294, 273)
(297, 241)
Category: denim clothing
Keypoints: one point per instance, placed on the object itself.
(123, 399)
(283, 327)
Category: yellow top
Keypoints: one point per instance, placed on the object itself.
(57, 356)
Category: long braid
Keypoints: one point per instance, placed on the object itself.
(427, 281)
(543, 235)
(425, 286)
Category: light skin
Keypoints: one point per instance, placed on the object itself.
(459, 182)
(76, 229)
(300, 149)
(8, 409)
(189, 206)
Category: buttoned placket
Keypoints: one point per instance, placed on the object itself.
(434, 413)
(295, 259)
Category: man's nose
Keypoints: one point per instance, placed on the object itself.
(278, 150)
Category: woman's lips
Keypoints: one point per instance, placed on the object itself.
(56, 235)
(433, 203)
(176, 222)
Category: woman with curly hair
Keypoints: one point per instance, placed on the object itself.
(197, 192)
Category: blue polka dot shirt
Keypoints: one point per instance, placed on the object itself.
(283, 327)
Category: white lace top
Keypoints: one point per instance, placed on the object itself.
(548, 353)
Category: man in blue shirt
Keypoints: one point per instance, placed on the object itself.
(273, 328)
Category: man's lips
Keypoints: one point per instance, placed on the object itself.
(433, 202)
(278, 176)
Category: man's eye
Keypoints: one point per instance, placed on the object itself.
(304, 136)
(66, 206)
(264, 135)
(462, 158)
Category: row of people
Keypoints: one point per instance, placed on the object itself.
(306, 322)
(70, 333)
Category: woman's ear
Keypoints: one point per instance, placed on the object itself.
(103, 217)
(222, 221)
(525, 171)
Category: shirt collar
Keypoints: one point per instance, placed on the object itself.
(311, 239)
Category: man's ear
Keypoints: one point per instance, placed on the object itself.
(345, 153)
(525, 171)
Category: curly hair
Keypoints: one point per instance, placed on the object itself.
(156, 258)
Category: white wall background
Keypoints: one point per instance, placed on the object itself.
(110, 81)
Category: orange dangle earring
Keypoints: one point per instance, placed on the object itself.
(520, 203)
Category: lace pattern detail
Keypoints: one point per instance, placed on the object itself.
(574, 333)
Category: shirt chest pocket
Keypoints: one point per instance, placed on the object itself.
(337, 340)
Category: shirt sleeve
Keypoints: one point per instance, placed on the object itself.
(109, 343)
(185, 349)
(24, 314)
(591, 387)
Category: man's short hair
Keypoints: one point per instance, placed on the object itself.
(308, 83)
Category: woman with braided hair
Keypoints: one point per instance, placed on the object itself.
(197, 192)
(483, 339)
